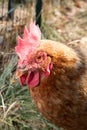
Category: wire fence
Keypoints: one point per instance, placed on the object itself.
(11, 25)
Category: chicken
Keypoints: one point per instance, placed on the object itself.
(56, 75)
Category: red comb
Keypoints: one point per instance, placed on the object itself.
(29, 42)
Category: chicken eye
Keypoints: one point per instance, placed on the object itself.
(41, 56)
(39, 59)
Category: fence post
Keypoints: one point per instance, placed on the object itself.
(38, 12)
(11, 6)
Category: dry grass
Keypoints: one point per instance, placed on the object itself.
(61, 21)
(17, 110)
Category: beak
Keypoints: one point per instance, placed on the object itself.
(19, 73)
(25, 69)
(22, 70)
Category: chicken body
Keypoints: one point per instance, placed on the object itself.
(57, 77)
(62, 97)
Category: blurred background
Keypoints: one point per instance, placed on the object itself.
(59, 20)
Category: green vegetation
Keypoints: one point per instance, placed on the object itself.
(17, 110)
(64, 22)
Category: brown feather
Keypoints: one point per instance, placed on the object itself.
(62, 97)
